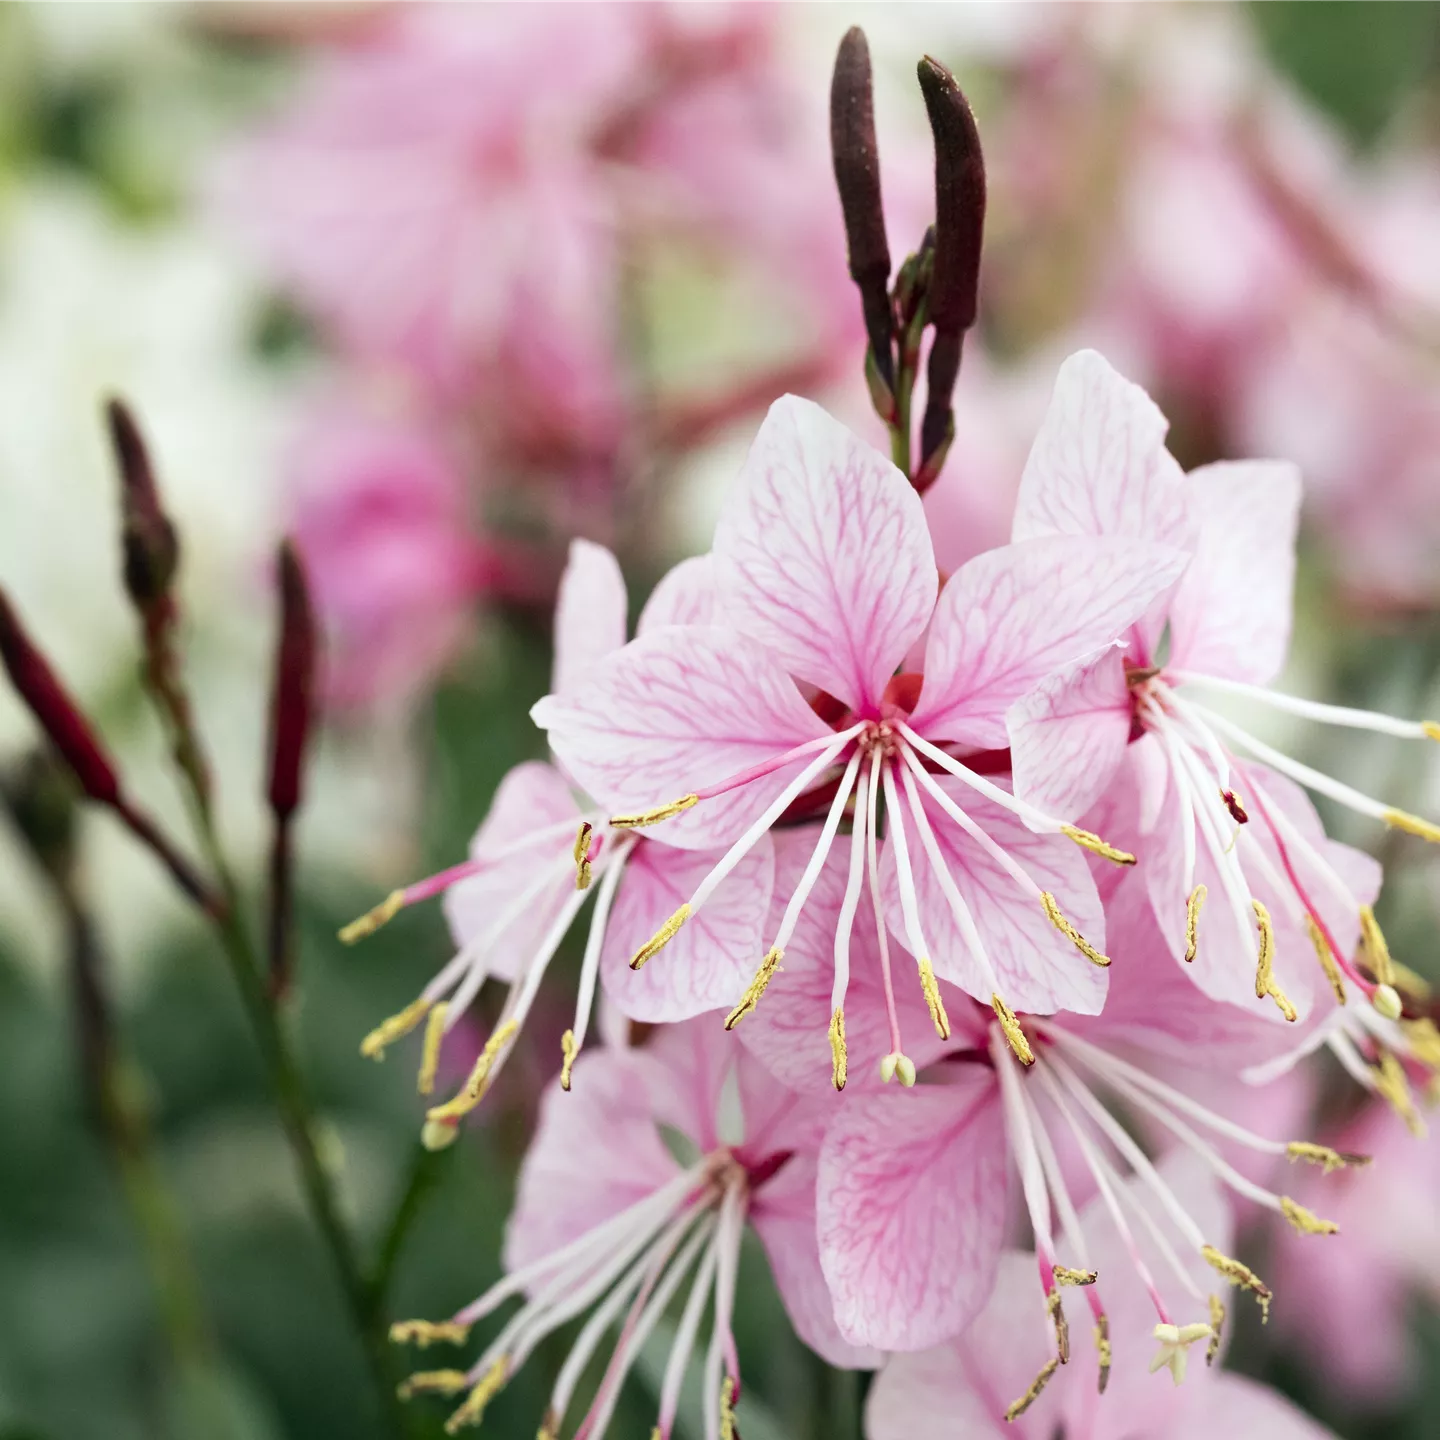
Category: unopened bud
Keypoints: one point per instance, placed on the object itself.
(151, 546)
(292, 703)
(857, 177)
(953, 295)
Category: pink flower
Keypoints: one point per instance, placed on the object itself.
(984, 1382)
(913, 1188)
(379, 512)
(608, 1221)
(532, 865)
(825, 579)
(1138, 719)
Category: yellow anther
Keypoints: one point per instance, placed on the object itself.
(1382, 967)
(1056, 1311)
(1097, 846)
(1424, 1040)
(1013, 1033)
(1265, 968)
(568, 1051)
(389, 1031)
(1393, 1086)
(1192, 921)
(433, 1382)
(1386, 1002)
(1305, 1221)
(1052, 910)
(661, 938)
(1324, 1156)
(756, 988)
(655, 816)
(1283, 1001)
(1241, 1275)
(896, 1064)
(1064, 1275)
(727, 1409)
(1412, 825)
(1326, 958)
(479, 1080)
(1217, 1328)
(1018, 1407)
(550, 1428)
(428, 1332)
(430, 1055)
(374, 918)
(936, 1005)
(472, 1412)
(1102, 1350)
(439, 1134)
(582, 855)
(1431, 729)
(839, 1057)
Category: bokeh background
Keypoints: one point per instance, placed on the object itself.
(436, 290)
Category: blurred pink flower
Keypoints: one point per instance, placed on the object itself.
(642, 1180)
(380, 515)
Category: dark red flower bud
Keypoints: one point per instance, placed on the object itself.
(151, 545)
(857, 177)
(959, 230)
(51, 704)
(292, 702)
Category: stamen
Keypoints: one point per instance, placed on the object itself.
(661, 938)
(1306, 1222)
(1192, 921)
(1264, 971)
(1097, 846)
(433, 1382)
(1417, 987)
(1236, 809)
(1013, 1033)
(1055, 1308)
(374, 918)
(641, 818)
(845, 924)
(1052, 910)
(479, 1080)
(568, 1051)
(1241, 1275)
(756, 988)
(938, 1016)
(882, 930)
(727, 1409)
(1376, 950)
(1064, 1275)
(1424, 1039)
(430, 1055)
(582, 855)
(1102, 1350)
(391, 1030)
(1390, 1082)
(839, 1059)
(1326, 958)
(1322, 1155)
(472, 1412)
(428, 1332)
(1018, 1407)
(1217, 1327)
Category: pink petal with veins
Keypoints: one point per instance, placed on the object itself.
(590, 612)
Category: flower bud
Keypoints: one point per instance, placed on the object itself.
(151, 546)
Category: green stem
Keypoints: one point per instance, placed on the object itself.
(425, 1170)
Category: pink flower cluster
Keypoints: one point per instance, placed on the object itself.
(1020, 891)
(466, 202)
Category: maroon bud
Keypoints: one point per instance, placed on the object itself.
(292, 702)
(857, 177)
(953, 293)
(151, 546)
(60, 718)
